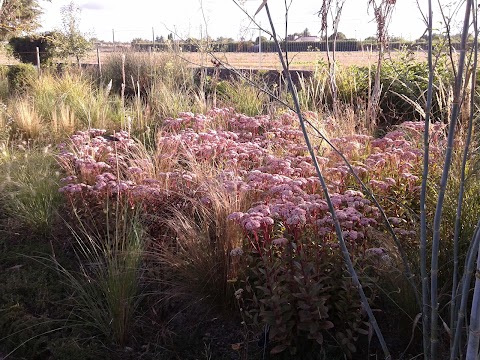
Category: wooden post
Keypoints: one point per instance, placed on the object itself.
(153, 39)
(38, 60)
(113, 40)
(99, 64)
(123, 81)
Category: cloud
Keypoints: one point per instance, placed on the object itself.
(92, 5)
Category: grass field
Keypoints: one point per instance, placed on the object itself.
(267, 61)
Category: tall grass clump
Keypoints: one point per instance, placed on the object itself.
(27, 121)
(239, 94)
(163, 82)
(311, 91)
(29, 181)
(169, 100)
(197, 261)
(51, 94)
(4, 83)
(107, 288)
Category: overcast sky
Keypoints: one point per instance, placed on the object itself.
(135, 19)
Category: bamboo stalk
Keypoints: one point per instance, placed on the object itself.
(423, 193)
(466, 279)
(443, 185)
(338, 229)
(474, 328)
(453, 302)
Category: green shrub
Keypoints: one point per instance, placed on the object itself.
(404, 82)
(20, 76)
(24, 48)
(4, 88)
(404, 85)
(304, 296)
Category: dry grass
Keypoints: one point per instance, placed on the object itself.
(26, 120)
(269, 61)
(266, 61)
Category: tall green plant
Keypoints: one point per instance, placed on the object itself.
(90, 106)
(108, 286)
(457, 100)
(29, 189)
(423, 194)
(242, 97)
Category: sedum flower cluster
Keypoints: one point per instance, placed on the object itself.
(262, 157)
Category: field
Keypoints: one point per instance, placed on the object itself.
(267, 61)
(298, 61)
(156, 213)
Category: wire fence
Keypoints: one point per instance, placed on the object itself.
(291, 46)
(352, 49)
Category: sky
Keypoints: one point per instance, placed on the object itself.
(191, 18)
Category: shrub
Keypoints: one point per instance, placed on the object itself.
(4, 87)
(24, 48)
(403, 96)
(404, 83)
(297, 286)
(20, 76)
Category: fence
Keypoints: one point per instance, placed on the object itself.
(293, 46)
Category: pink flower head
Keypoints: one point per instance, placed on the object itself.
(280, 241)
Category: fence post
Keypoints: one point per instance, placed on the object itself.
(99, 65)
(38, 60)
(123, 81)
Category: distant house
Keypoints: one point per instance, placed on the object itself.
(307, 39)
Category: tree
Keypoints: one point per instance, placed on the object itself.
(306, 32)
(437, 37)
(224, 40)
(70, 40)
(24, 48)
(339, 36)
(18, 16)
(138, 40)
(263, 38)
